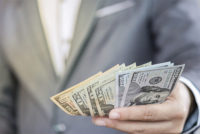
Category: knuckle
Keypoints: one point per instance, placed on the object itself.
(138, 131)
(181, 110)
(181, 127)
(177, 130)
(112, 124)
(177, 127)
(128, 115)
(148, 114)
(181, 114)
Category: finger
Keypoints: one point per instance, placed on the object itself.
(152, 112)
(138, 127)
(180, 92)
(170, 109)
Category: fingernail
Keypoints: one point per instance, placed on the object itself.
(114, 115)
(99, 122)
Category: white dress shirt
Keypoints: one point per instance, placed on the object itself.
(58, 19)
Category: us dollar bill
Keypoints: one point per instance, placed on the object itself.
(122, 79)
(118, 87)
(91, 99)
(123, 76)
(151, 85)
(83, 99)
(105, 92)
(130, 67)
(78, 97)
(93, 104)
(64, 101)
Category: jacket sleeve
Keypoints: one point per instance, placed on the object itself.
(175, 26)
(8, 89)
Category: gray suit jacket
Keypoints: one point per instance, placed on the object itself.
(108, 32)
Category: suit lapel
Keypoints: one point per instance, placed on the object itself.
(35, 65)
(85, 21)
(39, 53)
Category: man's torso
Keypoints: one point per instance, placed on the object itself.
(102, 39)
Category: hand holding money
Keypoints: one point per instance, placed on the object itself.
(168, 117)
(120, 86)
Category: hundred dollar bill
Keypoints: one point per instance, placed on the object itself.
(64, 101)
(105, 93)
(121, 81)
(123, 76)
(151, 85)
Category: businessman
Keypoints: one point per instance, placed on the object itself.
(47, 46)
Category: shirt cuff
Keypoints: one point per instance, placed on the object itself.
(193, 121)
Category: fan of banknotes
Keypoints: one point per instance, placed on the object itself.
(120, 86)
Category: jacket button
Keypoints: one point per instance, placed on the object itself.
(59, 128)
